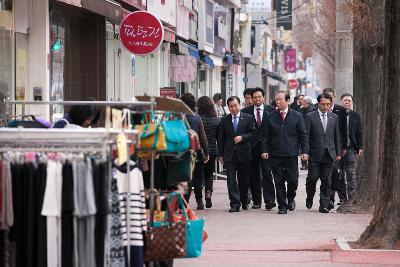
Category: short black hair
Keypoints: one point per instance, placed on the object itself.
(217, 97)
(258, 89)
(346, 94)
(287, 95)
(324, 95)
(329, 91)
(300, 96)
(248, 91)
(80, 113)
(189, 100)
(232, 98)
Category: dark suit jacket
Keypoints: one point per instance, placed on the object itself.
(256, 142)
(285, 139)
(355, 130)
(320, 140)
(226, 146)
(340, 111)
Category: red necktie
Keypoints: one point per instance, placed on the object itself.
(283, 116)
(258, 117)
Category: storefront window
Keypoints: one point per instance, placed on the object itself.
(6, 51)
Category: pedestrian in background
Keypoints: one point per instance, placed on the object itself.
(196, 124)
(285, 135)
(354, 145)
(324, 139)
(80, 116)
(297, 102)
(248, 100)
(260, 168)
(305, 108)
(338, 185)
(218, 105)
(205, 108)
(235, 133)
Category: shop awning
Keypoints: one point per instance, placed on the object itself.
(208, 61)
(275, 76)
(216, 60)
(228, 59)
(107, 8)
(194, 52)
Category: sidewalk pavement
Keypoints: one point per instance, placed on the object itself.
(264, 238)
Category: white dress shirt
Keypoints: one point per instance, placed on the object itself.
(322, 118)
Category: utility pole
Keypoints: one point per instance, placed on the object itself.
(344, 51)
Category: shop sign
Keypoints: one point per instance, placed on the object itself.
(165, 10)
(292, 84)
(141, 33)
(284, 14)
(290, 60)
(168, 92)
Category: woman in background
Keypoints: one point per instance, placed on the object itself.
(198, 173)
(80, 116)
(205, 108)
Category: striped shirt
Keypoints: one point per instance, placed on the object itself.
(132, 206)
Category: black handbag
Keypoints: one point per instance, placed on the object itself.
(200, 156)
(180, 169)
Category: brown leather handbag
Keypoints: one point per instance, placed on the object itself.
(165, 240)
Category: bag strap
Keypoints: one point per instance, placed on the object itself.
(181, 204)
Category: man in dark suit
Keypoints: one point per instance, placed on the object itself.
(260, 113)
(338, 185)
(285, 135)
(235, 133)
(354, 142)
(324, 139)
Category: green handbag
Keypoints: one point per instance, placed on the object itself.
(180, 169)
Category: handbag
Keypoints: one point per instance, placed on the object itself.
(176, 136)
(180, 169)
(152, 136)
(165, 240)
(194, 228)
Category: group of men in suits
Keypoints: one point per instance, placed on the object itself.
(259, 146)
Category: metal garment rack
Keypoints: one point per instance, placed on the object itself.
(129, 104)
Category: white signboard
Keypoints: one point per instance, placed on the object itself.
(259, 6)
(164, 10)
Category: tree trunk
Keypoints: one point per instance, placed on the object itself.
(368, 102)
(384, 229)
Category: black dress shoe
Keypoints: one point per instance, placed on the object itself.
(323, 210)
(309, 203)
(256, 206)
(234, 209)
(282, 211)
(292, 205)
(245, 207)
(270, 205)
(331, 205)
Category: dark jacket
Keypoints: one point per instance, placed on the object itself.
(256, 142)
(211, 128)
(226, 146)
(197, 125)
(355, 131)
(285, 139)
(340, 111)
(305, 111)
(320, 140)
(62, 122)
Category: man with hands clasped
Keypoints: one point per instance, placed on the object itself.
(283, 137)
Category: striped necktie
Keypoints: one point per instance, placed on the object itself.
(258, 117)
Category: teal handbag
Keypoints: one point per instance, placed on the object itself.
(194, 229)
(176, 135)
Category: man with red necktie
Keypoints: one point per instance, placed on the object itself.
(284, 136)
(260, 112)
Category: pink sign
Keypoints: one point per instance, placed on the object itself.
(290, 60)
(182, 68)
(141, 33)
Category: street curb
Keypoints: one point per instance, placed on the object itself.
(344, 245)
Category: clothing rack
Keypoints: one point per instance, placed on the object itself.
(130, 104)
